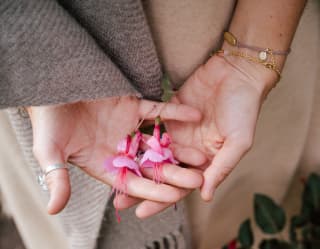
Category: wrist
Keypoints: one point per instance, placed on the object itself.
(264, 78)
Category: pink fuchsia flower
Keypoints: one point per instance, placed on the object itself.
(158, 154)
(124, 161)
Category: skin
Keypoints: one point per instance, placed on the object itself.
(229, 92)
(85, 134)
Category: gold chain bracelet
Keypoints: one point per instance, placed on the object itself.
(271, 64)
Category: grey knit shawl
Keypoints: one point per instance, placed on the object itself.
(69, 50)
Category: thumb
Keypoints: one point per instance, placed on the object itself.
(57, 180)
(223, 163)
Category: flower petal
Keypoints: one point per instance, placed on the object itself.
(137, 172)
(134, 146)
(152, 156)
(168, 155)
(124, 161)
(122, 146)
(154, 144)
(156, 131)
(148, 164)
(108, 165)
(165, 140)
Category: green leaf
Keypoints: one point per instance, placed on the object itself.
(297, 222)
(298, 246)
(275, 244)
(166, 88)
(316, 233)
(306, 233)
(314, 244)
(268, 215)
(147, 129)
(293, 234)
(245, 235)
(311, 198)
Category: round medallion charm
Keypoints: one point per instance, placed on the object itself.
(263, 55)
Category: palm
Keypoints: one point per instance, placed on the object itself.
(85, 134)
(230, 103)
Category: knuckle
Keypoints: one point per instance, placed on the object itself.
(198, 75)
(212, 145)
(245, 143)
(50, 181)
(177, 196)
(37, 151)
(45, 153)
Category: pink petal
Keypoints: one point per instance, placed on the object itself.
(169, 156)
(137, 172)
(108, 165)
(165, 140)
(152, 156)
(128, 143)
(134, 146)
(122, 146)
(124, 161)
(156, 131)
(148, 164)
(154, 144)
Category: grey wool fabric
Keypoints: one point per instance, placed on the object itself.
(54, 52)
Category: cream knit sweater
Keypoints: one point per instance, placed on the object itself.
(64, 51)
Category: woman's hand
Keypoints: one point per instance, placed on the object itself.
(86, 133)
(229, 92)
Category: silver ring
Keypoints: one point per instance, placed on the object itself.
(53, 167)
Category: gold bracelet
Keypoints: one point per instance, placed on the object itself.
(268, 64)
(262, 52)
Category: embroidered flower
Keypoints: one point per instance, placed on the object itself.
(158, 154)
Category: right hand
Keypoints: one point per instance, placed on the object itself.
(86, 133)
(229, 94)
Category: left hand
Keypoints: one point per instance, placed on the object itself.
(86, 133)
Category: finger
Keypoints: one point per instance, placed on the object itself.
(168, 111)
(148, 208)
(57, 180)
(222, 165)
(177, 176)
(188, 155)
(122, 202)
(59, 186)
(138, 186)
(183, 154)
